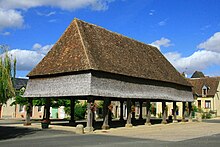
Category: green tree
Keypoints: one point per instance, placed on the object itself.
(79, 110)
(19, 99)
(7, 73)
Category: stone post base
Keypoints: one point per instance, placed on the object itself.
(175, 121)
(183, 120)
(190, 120)
(79, 129)
(199, 117)
(164, 122)
(128, 125)
(27, 124)
(148, 124)
(105, 127)
(88, 129)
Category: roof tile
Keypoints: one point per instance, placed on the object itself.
(85, 46)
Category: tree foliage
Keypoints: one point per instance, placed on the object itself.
(79, 110)
(7, 73)
(19, 99)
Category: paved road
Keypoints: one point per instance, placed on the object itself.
(34, 137)
(72, 140)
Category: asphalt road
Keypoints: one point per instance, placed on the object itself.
(106, 141)
(15, 137)
(32, 137)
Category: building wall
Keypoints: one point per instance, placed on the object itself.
(169, 109)
(20, 111)
(214, 102)
(38, 111)
(7, 110)
(203, 100)
(217, 101)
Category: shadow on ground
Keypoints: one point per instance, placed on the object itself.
(113, 124)
(15, 132)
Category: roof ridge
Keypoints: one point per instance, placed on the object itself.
(83, 44)
(217, 77)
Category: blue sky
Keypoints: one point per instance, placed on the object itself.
(187, 32)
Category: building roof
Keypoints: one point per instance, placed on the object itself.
(210, 82)
(19, 83)
(85, 46)
(198, 74)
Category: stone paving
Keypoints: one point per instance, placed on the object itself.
(165, 132)
(168, 132)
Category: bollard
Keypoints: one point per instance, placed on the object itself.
(79, 129)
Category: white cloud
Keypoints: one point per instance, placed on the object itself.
(207, 56)
(199, 60)
(46, 14)
(63, 4)
(151, 12)
(5, 33)
(164, 42)
(36, 46)
(23, 77)
(205, 27)
(52, 20)
(10, 18)
(42, 49)
(26, 59)
(163, 22)
(211, 44)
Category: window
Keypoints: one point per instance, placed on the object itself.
(21, 108)
(205, 91)
(39, 108)
(207, 104)
(199, 104)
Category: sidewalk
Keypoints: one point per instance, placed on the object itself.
(169, 132)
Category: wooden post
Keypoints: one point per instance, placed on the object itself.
(148, 113)
(89, 127)
(106, 113)
(47, 107)
(174, 112)
(72, 113)
(140, 114)
(190, 111)
(164, 117)
(183, 112)
(28, 112)
(128, 124)
(133, 111)
(121, 110)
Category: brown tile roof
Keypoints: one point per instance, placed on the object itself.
(198, 83)
(85, 46)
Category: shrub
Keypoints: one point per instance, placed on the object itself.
(79, 110)
(159, 115)
(206, 115)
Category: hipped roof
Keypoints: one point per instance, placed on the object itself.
(85, 46)
(198, 74)
(198, 83)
